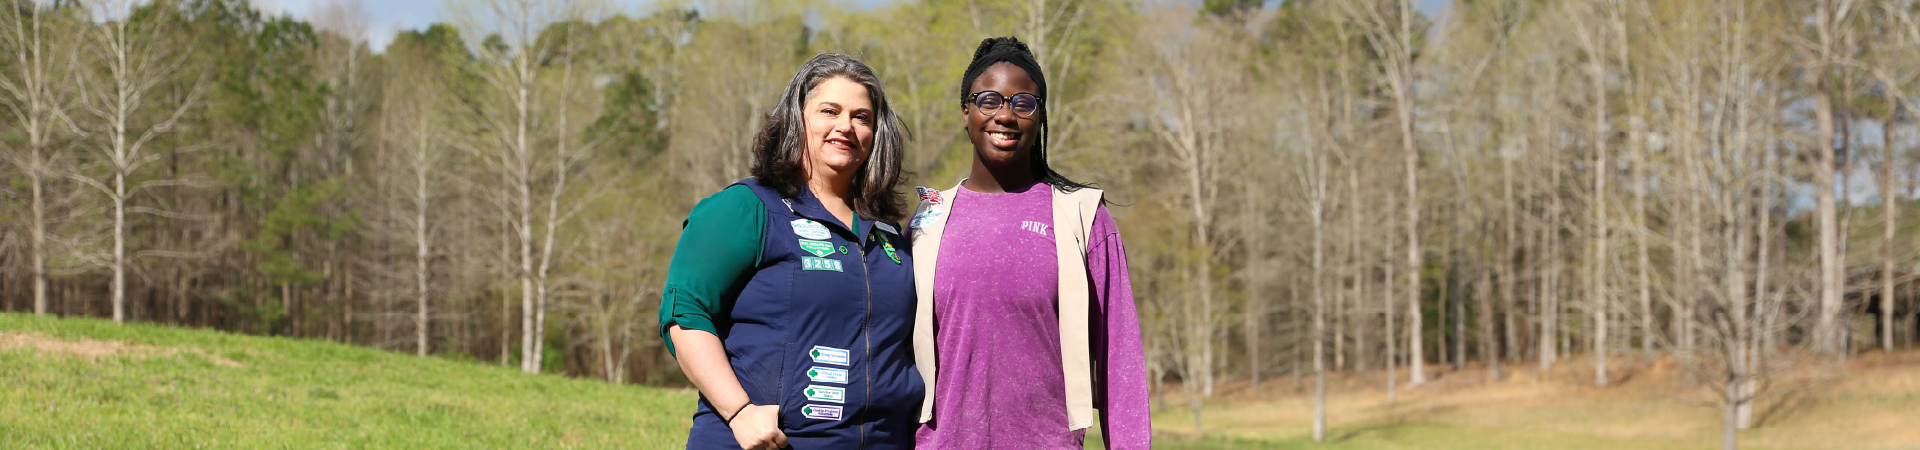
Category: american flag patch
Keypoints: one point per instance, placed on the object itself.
(930, 195)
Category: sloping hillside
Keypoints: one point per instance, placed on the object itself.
(86, 383)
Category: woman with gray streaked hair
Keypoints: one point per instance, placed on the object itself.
(790, 299)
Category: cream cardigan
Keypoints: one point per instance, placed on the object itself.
(1072, 212)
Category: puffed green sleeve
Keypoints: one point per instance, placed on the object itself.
(718, 251)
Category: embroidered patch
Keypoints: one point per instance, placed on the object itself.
(886, 227)
(828, 412)
(812, 263)
(817, 248)
(930, 195)
(826, 375)
(810, 229)
(829, 355)
(817, 393)
(925, 218)
(890, 254)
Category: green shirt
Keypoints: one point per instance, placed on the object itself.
(719, 250)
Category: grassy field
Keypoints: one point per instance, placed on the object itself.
(86, 383)
(1873, 404)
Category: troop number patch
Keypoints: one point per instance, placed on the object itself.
(812, 263)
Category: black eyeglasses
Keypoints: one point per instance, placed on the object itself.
(990, 102)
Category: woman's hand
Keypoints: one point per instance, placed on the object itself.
(758, 428)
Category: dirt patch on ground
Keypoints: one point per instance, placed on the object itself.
(93, 349)
(1650, 402)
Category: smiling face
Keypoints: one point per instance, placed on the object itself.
(839, 123)
(1004, 140)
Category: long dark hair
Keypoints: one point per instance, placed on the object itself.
(1010, 50)
(780, 153)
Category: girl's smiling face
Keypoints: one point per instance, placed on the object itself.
(839, 124)
(1005, 139)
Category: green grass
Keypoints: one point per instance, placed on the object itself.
(298, 393)
(183, 389)
(290, 393)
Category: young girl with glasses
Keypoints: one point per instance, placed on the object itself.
(1026, 332)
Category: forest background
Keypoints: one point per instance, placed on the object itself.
(1362, 186)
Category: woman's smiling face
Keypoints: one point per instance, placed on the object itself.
(1005, 139)
(839, 122)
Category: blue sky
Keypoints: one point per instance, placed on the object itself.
(391, 16)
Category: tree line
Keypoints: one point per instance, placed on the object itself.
(1315, 186)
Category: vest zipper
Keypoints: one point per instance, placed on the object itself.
(866, 332)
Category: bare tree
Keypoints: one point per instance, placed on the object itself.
(416, 136)
(1321, 93)
(1829, 28)
(1595, 38)
(749, 55)
(35, 101)
(1196, 80)
(1389, 27)
(514, 52)
(136, 63)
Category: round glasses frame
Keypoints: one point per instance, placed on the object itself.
(989, 103)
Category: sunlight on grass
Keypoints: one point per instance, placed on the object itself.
(170, 392)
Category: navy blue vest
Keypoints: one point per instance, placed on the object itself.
(824, 329)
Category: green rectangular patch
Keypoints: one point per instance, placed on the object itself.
(818, 393)
(812, 263)
(817, 248)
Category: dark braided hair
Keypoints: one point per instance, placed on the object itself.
(1011, 51)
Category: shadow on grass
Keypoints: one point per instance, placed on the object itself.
(1784, 407)
(1393, 420)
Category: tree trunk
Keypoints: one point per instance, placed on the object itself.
(1889, 204)
(119, 287)
(422, 252)
(1459, 318)
(531, 342)
(1729, 434)
(1597, 280)
(1489, 349)
(1255, 309)
(1318, 215)
(1550, 309)
(38, 232)
(1386, 304)
(1827, 331)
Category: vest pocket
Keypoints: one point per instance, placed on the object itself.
(788, 408)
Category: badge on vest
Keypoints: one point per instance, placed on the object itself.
(829, 355)
(827, 412)
(817, 248)
(810, 229)
(817, 393)
(826, 375)
(929, 195)
(924, 218)
(812, 263)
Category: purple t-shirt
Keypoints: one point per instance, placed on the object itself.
(996, 294)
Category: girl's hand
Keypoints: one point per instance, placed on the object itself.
(757, 427)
